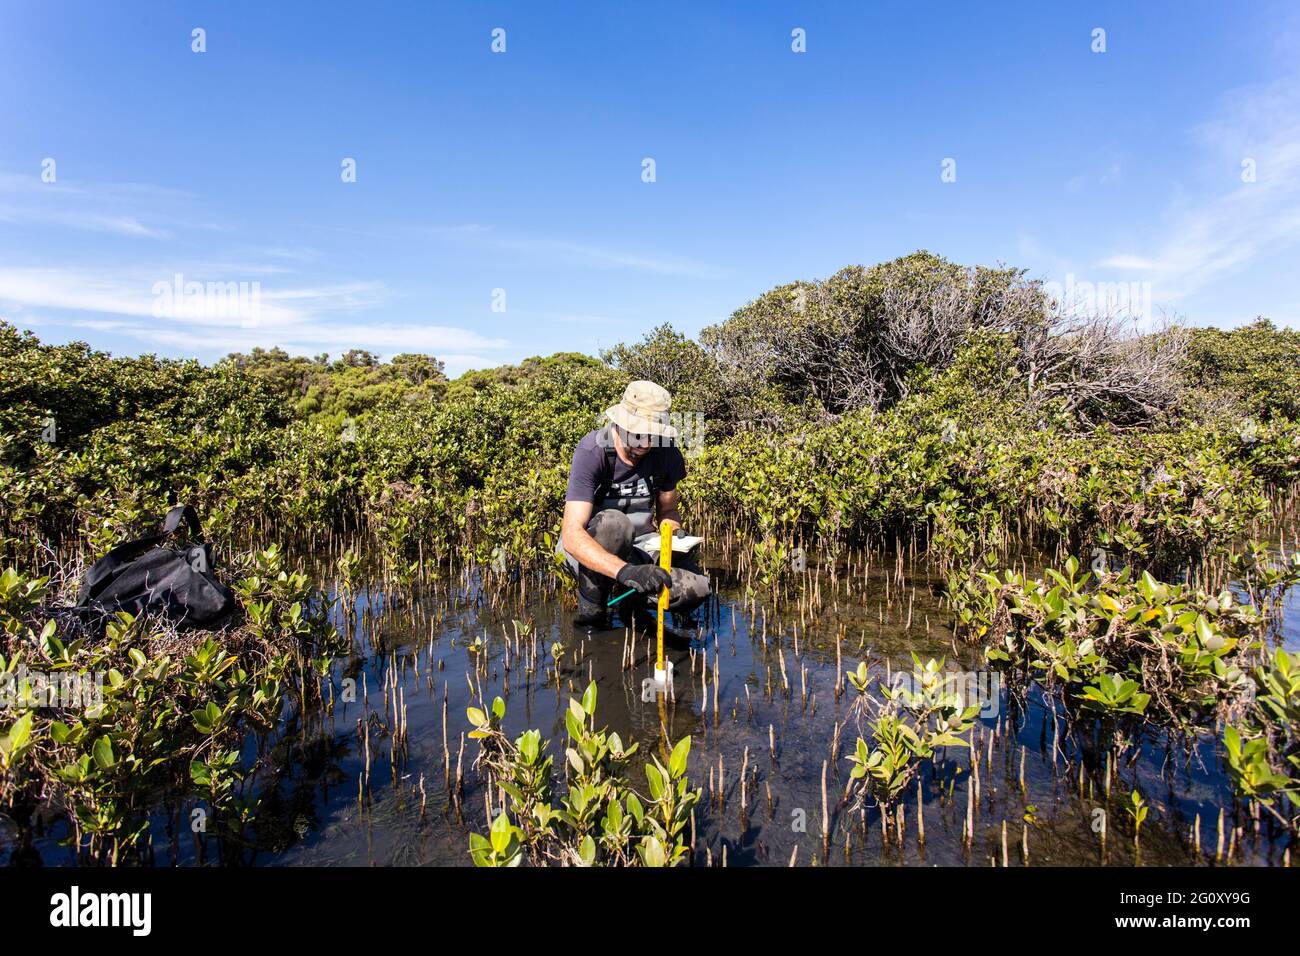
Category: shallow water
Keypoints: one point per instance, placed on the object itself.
(309, 778)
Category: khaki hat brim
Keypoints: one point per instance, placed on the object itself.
(621, 416)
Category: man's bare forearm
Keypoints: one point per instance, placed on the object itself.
(587, 551)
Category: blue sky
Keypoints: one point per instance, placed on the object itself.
(522, 171)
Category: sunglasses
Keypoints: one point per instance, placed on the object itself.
(634, 440)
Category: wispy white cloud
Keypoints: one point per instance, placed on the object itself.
(267, 294)
(123, 209)
(158, 308)
(584, 255)
(1132, 262)
(1204, 239)
(567, 318)
(294, 253)
(148, 294)
(597, 257)
(1111, 171)
(82, 291)
(32, 184)
(121, 225)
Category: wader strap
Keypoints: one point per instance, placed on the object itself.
(607, 477)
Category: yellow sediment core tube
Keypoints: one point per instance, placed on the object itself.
(665, 562)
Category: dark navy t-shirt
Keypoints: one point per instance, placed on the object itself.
(665, 463)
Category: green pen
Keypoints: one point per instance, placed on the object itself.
(620, 597)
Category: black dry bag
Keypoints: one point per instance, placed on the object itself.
(147, 576)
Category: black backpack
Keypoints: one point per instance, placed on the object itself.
(146, 576)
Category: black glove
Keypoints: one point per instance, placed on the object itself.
(644, 578)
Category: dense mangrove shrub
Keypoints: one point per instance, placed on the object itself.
(1124, 646)
(478, 471)
(1254, 369)
(98, 733)
(356, 383)
(960, 461)
(85, 437)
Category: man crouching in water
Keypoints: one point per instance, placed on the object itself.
(622, 485)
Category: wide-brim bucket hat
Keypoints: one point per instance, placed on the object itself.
(643, 410)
